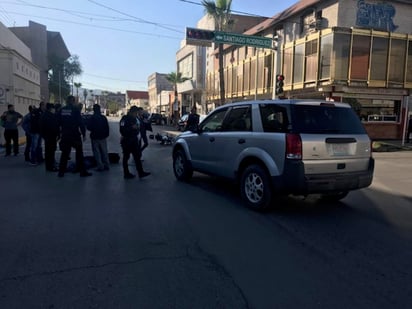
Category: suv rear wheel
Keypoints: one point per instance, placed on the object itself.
(255, 188)
(181, 166)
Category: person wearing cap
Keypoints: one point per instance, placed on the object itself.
(71, 131)
(130, 142)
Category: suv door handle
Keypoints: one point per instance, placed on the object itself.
(212, 139)
(241, 141)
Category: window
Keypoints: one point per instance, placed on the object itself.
(325, 56)
(311, 63)
(287, 65)
(185, 66)
(298, 63)
(326, 119)
(379, 61)
(238, 119)
(274, 118)
(397, 61)
(409, 64)
(342, 52)
(214, 122)
(360, 57)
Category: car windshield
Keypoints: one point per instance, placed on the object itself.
(326, 120)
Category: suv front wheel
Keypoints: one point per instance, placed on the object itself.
(181, 166)
(255, 188)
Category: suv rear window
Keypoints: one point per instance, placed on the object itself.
(325, 119)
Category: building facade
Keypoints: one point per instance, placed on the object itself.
(44, 45)
(356, 51)
(157, 83)
(193, 61)
(137, 98)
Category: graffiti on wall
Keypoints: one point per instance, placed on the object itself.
(376, 16)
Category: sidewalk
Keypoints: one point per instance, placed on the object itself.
(390, 146)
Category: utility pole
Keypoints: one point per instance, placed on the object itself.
(60, 88)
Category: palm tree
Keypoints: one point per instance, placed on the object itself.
(220, 11)
(77, 85)
(176, 78)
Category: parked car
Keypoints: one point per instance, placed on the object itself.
(278, 147)
(157, 119)
(183, 121)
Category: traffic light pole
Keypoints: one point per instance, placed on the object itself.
(276, 67)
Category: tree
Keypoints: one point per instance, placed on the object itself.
(220, 11)
(176, 78)
(77, 85)
(61, 73)
(113, 107)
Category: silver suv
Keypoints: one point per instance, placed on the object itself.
(274, 147)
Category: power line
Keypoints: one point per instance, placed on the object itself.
(131, 16)
(89, 16)
(96, 26)
(116, 79)
(232, 11)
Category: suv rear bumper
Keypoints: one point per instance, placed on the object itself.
(294, 180)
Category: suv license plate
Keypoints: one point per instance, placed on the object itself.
(340, 149)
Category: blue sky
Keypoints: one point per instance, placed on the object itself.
(120, 43)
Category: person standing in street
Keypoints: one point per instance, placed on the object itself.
(26, 127)
(99, 132)
(192, 120)
(49, 128)
(10, 121)
(408, 134)
(145, 126)
(130, 135)
(71, 131)
(35, 149)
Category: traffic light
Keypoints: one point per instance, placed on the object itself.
(196, 36)
(279, 84)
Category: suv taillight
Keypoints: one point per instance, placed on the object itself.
(293, 146)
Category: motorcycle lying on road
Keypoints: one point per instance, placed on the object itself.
(163, 139)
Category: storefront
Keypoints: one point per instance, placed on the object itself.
(371, 70)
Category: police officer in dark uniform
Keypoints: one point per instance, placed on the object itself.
(71, 129)
(49, 129)
(130, 132)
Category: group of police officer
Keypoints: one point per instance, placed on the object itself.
(73, 129)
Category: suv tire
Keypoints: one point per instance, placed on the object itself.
(255, 188)
(181, 166)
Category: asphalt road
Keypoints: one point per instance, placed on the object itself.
(104, 242)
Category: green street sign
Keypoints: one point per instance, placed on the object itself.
(240, 39)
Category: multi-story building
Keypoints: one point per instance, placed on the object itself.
(193, 61)
(19, 78)
(137, 98)
(157, 83)
(44, 45)
(357, 51)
